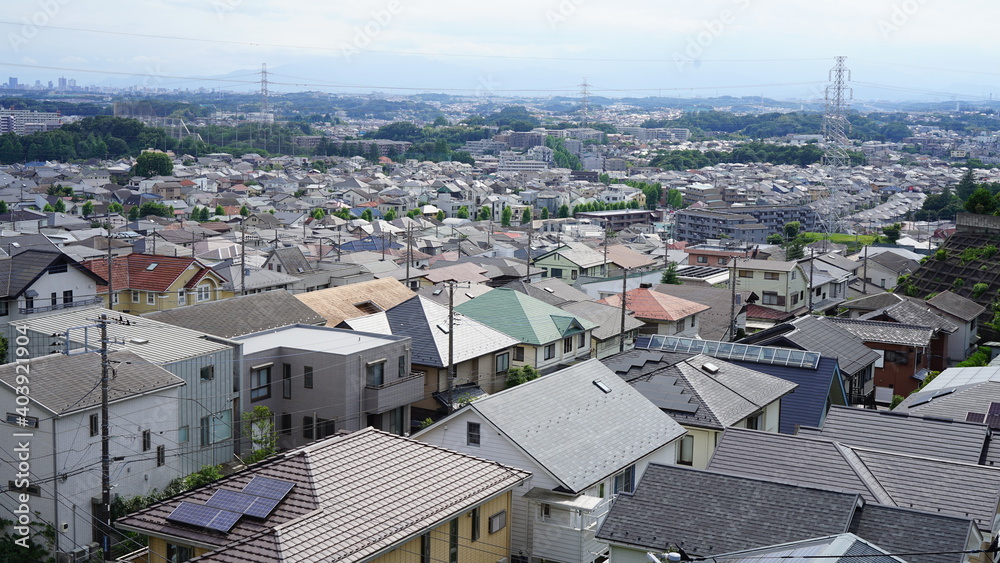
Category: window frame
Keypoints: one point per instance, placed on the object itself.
(307, 377)
(568, 345)
(161, 455)
(204, 292)
(150, 298)
(286, 381)
(136, 298)
(375, 377)
(210, 370)
(183, 434)
(147, 440)
(401, 367)
(624, 481)
(772, 276)
(745, 274)
(518, 355)
(501, 362)
(473, 434)
(476, 524)
(67, 297)
(685, 450)
(95, 425)
(550, 351)
(497, 521)
(286, 424)
(260, 388)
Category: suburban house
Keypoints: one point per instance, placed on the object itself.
(607, 338)
(570, 261)
(708, 513)
(962, 312)
(911, 312)
(318, 380)
(143, 283)
(585, 435)
(207, 406)
(38, 281)
(818, 377)
(885, 268)
(705, 395)
(241, 315)
(964, 490)
(337, 304)
(328, 502)
(780, 285)
(660, 313)
(548, 336)
(904, 352)
(481, 355)
(64, 416)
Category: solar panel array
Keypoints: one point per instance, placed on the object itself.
(258, 499)
(733, 351)
(663, 391)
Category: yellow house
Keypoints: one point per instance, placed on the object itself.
(365, 497)
(143, 283)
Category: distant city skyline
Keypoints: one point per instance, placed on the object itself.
(896, 49)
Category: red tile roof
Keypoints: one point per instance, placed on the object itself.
(649, 304)
(133, 271)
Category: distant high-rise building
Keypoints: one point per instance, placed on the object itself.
(72, 83)
(62, 83)
(50, 84)
(12, 82)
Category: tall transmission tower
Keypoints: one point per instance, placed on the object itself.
(264, 102)
(585, 101)
(835, 123)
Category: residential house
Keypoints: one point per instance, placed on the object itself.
(38, 280)
(885, 268)
(337, 304)
(143, 283)
(241, 315)
(963, 490)
(661, 313)
(481, 355)
(548, 336)
(208, 402)
(780, 285)
(842, 548)
(609, 336)
(705, 395)
(585, 435)
(917, 313)
(708, 513)
(61, 427)
(818, 377)
(570, 261)
(904, 352)
(962, 312)
(328, 502)
(715, 322)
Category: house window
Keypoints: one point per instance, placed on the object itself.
(472, 433)
(286, 424)
(161, 455)
(376, 374)
(723, 261)
(795, 298)
(307, 427)
(68, 296)
(208, 373)
(502, 362)
(29, 303)
(204, 292)
(882, 282)
(53, 299)
(567, 345)
(756, 421)
(286, 381)
(897, 356)
(550, 351)
(114, 298)
(685, 451)
(518, 353)
(771, 275)
(181, 298)
(95, 426)
(769, 298)
(425, 548)
(58, 269)
(183, 434)
(703, 259)
(178, 553)
(401, 368)
(147, 440)
(679, 326)
(793, 274)
(150, 298)
(135, 297)
(4, 308)
(693, 317)
(307, 377)
(222, 426)
(498, 521)
(476, 524)
(556, 272)
(625, 481)
(582, 342)
(260, 383)
(746, 274)
(573, 274)
(453, 541)
(206, 430)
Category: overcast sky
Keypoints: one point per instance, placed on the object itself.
(896, 49)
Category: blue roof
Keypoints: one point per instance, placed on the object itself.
(807, 404)
(359, 211)
(371, 244)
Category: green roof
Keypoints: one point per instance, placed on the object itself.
(523, 317)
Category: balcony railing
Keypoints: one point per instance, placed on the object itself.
(57, 306)
(394, 392)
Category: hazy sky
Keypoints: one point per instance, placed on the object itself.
(896, 49)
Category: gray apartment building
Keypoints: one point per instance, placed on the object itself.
(319, 380)
(701, 225)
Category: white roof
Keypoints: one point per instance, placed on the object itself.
(315, 339)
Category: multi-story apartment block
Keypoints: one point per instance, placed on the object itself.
(700, 225)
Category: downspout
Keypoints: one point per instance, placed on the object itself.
(55, 486)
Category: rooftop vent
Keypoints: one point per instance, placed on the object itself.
(549, 289)
(138, 341)
(710, 367)
(436, 292)
(602, 386)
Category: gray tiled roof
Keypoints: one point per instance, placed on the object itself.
(608, 318)
(960, 489)
(239, 316)
(904, 433)
(886, 332)
(372, 489)
(911, 313)
(704, 512)
(849, 547)
(573, 429)
(956, 305)
(899, 530)
(818, 335)
(872, 302)
(64, 384)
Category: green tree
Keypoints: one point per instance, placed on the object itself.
(966, 186)
(263, 438)
(791, 229)
(244, 211)
(518, 375)
(59, 206)
(389, 215)
(484, 213)
(462, 213)
(88, 209)
(670, 275)
(207, 474)
(545, 213)
(36, 549)
(48, 208)
(526, 215)
(219, 210)
(505, 216)
(150, 164)
(440, 215)
(367, 215)
(115, 207)
(981, 202)
(317, 214)
(893, 232)
(795, 249)
(133, 213)
(563, 211)
(775, 239)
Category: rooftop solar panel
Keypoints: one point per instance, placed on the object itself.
(994, 409)
(233, 501)
(731, 351)
(262, 507)
(975, 417)
(267, 487)
(204, 516)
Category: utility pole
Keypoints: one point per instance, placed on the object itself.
(409, 252)
(864, 273)
(527, 263)
(105, 443)
(812, 255)
(451, 344)
(621, 336)
(111, 293)
(732, 301)
(243, 258)
(604, 268)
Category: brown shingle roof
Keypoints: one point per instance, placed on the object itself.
(337, 304)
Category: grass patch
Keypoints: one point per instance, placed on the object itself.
(842, 238)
